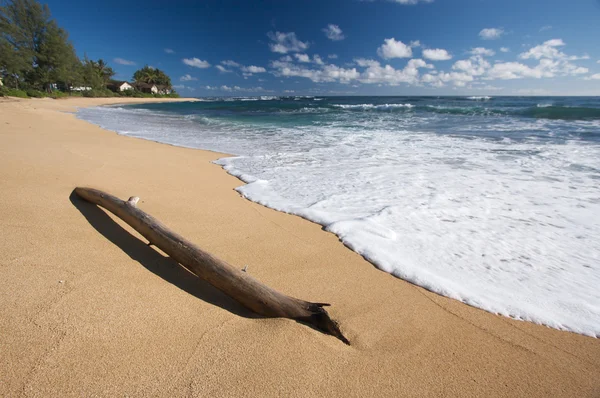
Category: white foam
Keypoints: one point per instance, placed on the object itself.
(509, 226)
(373, 106)
(480, 98)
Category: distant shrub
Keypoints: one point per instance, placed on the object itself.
(56, 94)
(35, 93)
(12, 92)
(98, 93)
(75, 94)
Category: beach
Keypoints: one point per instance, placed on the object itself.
(90, 310)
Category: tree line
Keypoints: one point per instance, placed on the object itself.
(36, 55)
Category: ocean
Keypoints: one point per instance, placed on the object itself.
(493, 201)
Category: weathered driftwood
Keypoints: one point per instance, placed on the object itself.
(232, 281)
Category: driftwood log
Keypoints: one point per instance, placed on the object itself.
(237, 284)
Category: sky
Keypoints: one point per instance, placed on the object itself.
(346, 47)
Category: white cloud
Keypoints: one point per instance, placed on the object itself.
(394, 49)
(593, 77)
(253, 69)
(183, 87)
(333, 32)
(544, 28)
(598, 62)
(231, 89)
(504, 49)
(327, 73)
(122, 61)
(222, 69)
(169, 51)
(284, 43)
(485, 52)
(546, 50)
(187, 78)
(475, 66)
(516, 70)
(491, 33)
(302, 58)
(196, 63)
(407, 2)
(533, 91)
(230, 63)
(459, 79)
(334, 56)
(375, 73)
(437, 54)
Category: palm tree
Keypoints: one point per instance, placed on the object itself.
(105, 71)
(146, 75)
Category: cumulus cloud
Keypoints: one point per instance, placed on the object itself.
(196, 63)
(491, 33)
(187, 78)
(253, 69)
(475, 66)
(222, 69)
(410, 2)
(504, 49)
(183, 87)
(169, 51)
(317, 60)
(394, 49)
(231, 89)
(122, 61)
(302, 58)
(333, 32)
(284, 43)
(375, 73)
(230, 63)
(546, 50)
(327, 73)
(484, 52)
(437, 54)
(593, 77)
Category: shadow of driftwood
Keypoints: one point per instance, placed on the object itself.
(163, 266)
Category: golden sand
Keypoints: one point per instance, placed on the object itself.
(87, 309)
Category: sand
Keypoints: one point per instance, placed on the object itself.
(87, 309)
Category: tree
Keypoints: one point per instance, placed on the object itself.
(96, 74)
(34, 50)
(105, 71)
(151, 75)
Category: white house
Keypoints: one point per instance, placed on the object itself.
(153, 88)
(119, 86)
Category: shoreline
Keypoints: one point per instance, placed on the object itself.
(124, 320)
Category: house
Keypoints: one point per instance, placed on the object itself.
(153, 88)
(116, 86)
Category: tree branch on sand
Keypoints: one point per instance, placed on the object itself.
(232, 281)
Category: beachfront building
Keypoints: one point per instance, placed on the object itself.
(119, 86)
(153, 88)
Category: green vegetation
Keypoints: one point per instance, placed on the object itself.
(151, 75)
(37, 59)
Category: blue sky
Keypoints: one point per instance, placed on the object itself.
(347, 47)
